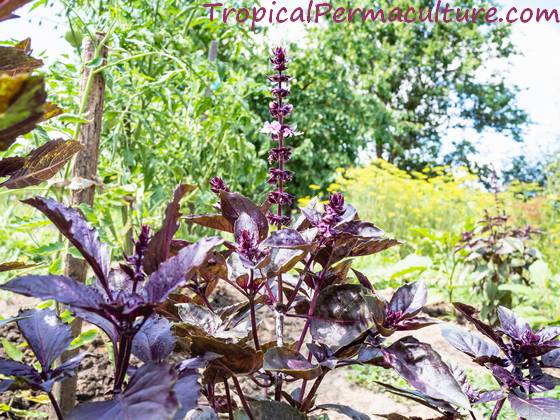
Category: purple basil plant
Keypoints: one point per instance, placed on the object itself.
(192, 353)
(516, 355)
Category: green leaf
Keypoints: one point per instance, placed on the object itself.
(12, 351)
(96, 62)
(540, 273)
(83, 339)
(409, 265)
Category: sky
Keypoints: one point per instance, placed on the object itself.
(535, 71)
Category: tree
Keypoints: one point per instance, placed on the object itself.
(393, 89)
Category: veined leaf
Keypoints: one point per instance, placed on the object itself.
(41, 164)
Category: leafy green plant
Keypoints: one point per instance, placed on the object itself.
(499, 255)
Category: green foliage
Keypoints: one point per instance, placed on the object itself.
(176, 98)
(400, 88)
(500, 256)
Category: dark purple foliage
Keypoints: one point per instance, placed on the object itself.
(515, 356)
(424, 369)
(121, 301)
(70, 223)
(154, 341)
(149, 395)
(48, 337)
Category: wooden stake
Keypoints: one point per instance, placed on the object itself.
(92, 90)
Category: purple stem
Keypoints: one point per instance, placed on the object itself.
(253, 312)
(56, 407)
(242, 398)
(228, 397)
(298, 284)
(497, 409)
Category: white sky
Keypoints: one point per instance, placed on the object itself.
(536, 71)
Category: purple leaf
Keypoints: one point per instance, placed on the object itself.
(420, 398)
(469, 312)
(19, 370)
(68, 368)
(103, 323)
(286, 238)
(535, 408)
(5, 384)
(424, 369)
(270, 409)
(354, 239)
(345, 410)
(154, 341)
(548, 333)
(41, 164)
(552, 359)
(213, 221)
(60, 288)
(342, 314)
(46, 334)
(489, 396)
(175, 271)
(410, 298)
(290, 362)
(187, 388)
(72, 225)
(10, 165)
(513, 325)
(159, 246)
(311, 213)
(149, 395)
(245, 223)
(469, 343)
(234, 204)
(364, 281)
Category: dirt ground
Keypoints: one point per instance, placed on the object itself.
(336, 388)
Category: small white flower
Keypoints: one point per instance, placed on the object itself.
(291, 131)
(271, 128)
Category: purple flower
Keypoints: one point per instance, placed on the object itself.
(279, 153)
(135, 268)
(279, 78)
(278, 58)
(280, 111)
(248, 247)
(279, 131)
(525, 342)
(280, 92)
(278, 220)
(217, 184)
(281, 198)
(290, 131)
(277, 175)
(334, 210)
